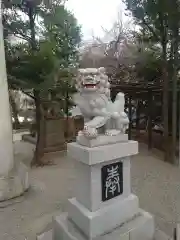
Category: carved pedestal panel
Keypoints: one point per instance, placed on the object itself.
(112, 180)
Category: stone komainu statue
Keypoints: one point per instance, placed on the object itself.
(101, 115)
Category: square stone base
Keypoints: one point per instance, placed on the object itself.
(106, 218)
(159, 235)
(139, 228)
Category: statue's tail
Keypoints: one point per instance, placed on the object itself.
(118, 104)
(122, 120)
(120, 96)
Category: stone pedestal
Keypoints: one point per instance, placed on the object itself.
(13, 176)
(103, 207)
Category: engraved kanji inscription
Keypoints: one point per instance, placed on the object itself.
(112, 180)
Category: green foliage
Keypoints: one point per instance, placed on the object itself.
(63, 89)
(149, 66)
(151, 15)
(157, 19)
(31, 68)
(57, 36)
(40, 63)
(159, 25)
(60, 27)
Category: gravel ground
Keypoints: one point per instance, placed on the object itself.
(156, 183)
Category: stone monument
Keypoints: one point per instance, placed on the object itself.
(103, 207)
(13, 175)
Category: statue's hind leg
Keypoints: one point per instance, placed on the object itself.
(111, 128)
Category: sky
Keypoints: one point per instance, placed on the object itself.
(95, 14)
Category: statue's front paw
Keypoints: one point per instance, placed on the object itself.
(80, 133)
(112, 132)
(90, 132)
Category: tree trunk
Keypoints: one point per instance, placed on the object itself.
(40, 129)
(130, 118)
(32, 26)
(14, 111)
(174, 96)
(150, 107)
(67, 113)
(137, 118)
(165, 102)
(40, 126)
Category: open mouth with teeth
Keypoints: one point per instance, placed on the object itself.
(90, 85)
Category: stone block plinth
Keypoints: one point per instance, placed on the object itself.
(89, 166)
(96, 223)
(102, 154)
(139, 228)
(103, 207)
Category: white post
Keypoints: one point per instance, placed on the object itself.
(177, 232)
(13, 174)
(6, 138)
